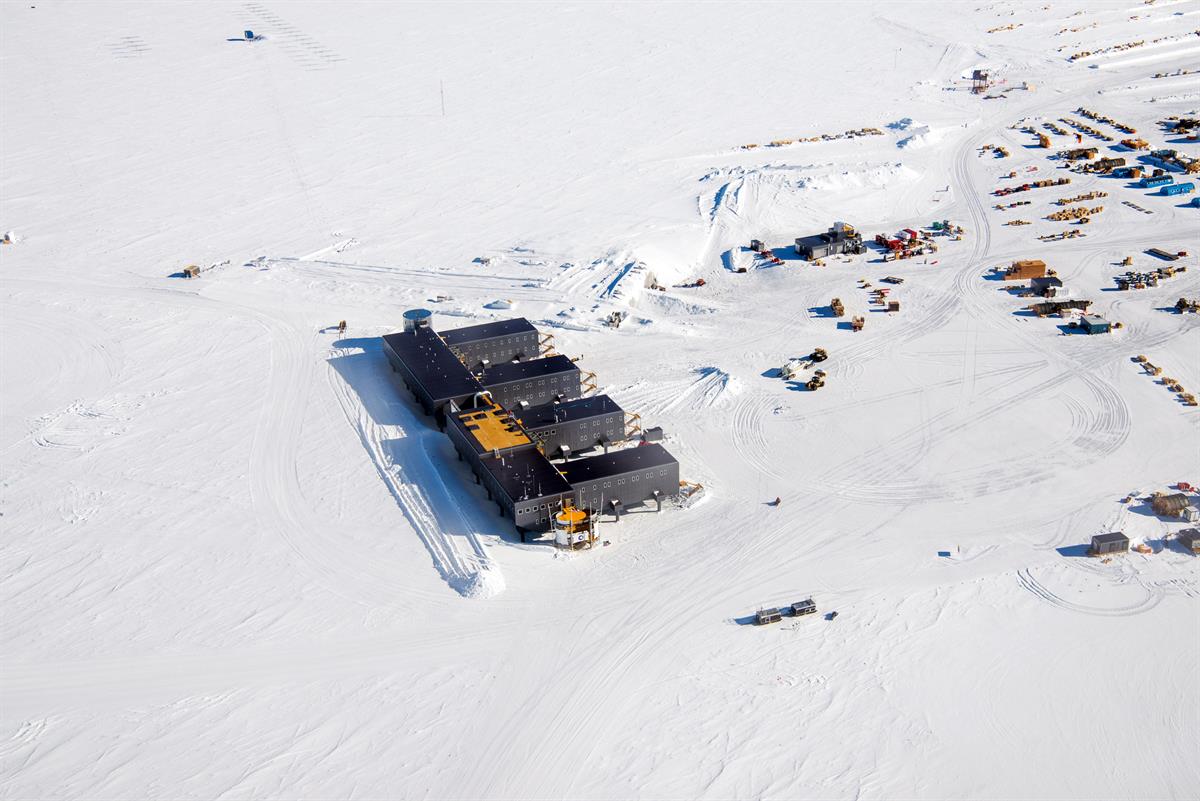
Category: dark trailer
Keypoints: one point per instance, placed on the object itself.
(1116, 542)
(575, 425)
(620, 479)
(534, 382)
(430, 369)
(496, 342)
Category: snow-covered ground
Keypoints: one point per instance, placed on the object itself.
(238, 563)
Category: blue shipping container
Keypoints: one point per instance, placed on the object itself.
(1161, 180)
(1179, 189)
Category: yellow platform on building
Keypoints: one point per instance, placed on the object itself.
(494, 428)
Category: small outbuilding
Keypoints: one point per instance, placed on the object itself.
(1025, 268)
(1045, 286)
(1190, 539)
(765, 616)
(1115, 542)
(1169, 505)
(840, 238)
(805, 607)
(1091, 324)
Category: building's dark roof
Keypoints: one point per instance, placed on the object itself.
(1115, 536)
(816, 240)
(548, 414)
(522, 371)
(477, 333)
(830, 236)
(526, 474)
(617, 463)
(1189, 536)
(1045, 280)
(432, 364)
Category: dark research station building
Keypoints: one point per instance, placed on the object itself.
(511, 406)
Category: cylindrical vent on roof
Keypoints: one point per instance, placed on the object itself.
(417, 318)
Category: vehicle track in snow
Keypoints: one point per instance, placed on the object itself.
(1034, 586)
(277, 498)
(748, 436)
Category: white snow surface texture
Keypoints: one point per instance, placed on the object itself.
(237, 562)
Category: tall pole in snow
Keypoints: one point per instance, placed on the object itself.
(442, 89)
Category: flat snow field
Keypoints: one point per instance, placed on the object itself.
(239, 563)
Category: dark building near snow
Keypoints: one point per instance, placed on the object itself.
(534, 382)
(1046, 286)
(493, 343)
(430, 369)
(624, 478)
(575, 425)
(1189, 538)
(1116, 542)
(506, 415)
(841, 238)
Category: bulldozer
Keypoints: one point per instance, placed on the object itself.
(816, 382)
(838, 309)
(818, 355)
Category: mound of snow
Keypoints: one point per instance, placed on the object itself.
(917, 135)
(488, 582)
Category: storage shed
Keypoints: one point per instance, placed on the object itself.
(1046, 286)
(1116, 542)
(1169, 505)
(1092, 324)
(1025, 268)
(1190, 539)
(764, 616)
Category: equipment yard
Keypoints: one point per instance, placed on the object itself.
(936, 447)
